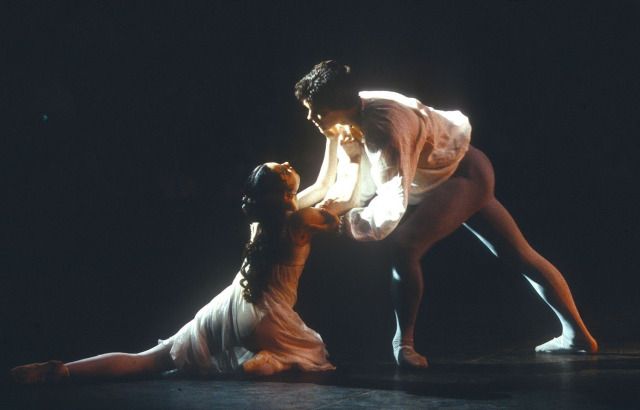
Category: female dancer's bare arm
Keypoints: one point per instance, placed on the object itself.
(309, 221)
(317, 191)
(344, 194)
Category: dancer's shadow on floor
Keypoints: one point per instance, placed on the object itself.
(471, 377)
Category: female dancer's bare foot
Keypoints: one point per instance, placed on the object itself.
(408, 358)
(53, 371)
(263, 364)
(565, 344)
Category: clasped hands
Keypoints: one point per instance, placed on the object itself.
(350, 139)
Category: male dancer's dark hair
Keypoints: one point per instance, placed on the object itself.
(329, 85)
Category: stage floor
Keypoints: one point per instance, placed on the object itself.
(507, 379)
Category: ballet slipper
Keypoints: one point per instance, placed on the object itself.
(408, 358)
(53, 371)
(563, 344)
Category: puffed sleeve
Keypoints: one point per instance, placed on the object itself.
(383, 213)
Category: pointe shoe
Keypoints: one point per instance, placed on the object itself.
(53, 371)
(408, 358)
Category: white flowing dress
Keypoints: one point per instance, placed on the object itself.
(215, 340)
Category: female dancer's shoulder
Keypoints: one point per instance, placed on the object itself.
(304, 223)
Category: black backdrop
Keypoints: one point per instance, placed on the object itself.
(128, 129)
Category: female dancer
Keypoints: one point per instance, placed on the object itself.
(251, 325)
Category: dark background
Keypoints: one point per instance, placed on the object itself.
(128, 129)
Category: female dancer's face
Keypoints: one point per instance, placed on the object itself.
(291, 179)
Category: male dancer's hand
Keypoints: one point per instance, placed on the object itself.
(328, 204)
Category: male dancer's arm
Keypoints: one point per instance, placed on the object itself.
(344, 194)
(383, 213)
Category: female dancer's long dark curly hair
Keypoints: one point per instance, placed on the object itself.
(263, 202)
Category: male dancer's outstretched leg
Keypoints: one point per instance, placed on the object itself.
(444, 209)
(498, 230)
(441, 212)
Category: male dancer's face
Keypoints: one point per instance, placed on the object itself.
(321, 117)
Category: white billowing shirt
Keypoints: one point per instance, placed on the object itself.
(391, 119)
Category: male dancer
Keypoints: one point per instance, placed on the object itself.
(406, 172)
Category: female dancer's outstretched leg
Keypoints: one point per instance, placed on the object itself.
(108, 365)
(500, 233)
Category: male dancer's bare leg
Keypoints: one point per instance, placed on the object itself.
(498, 228)
(441, 212)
